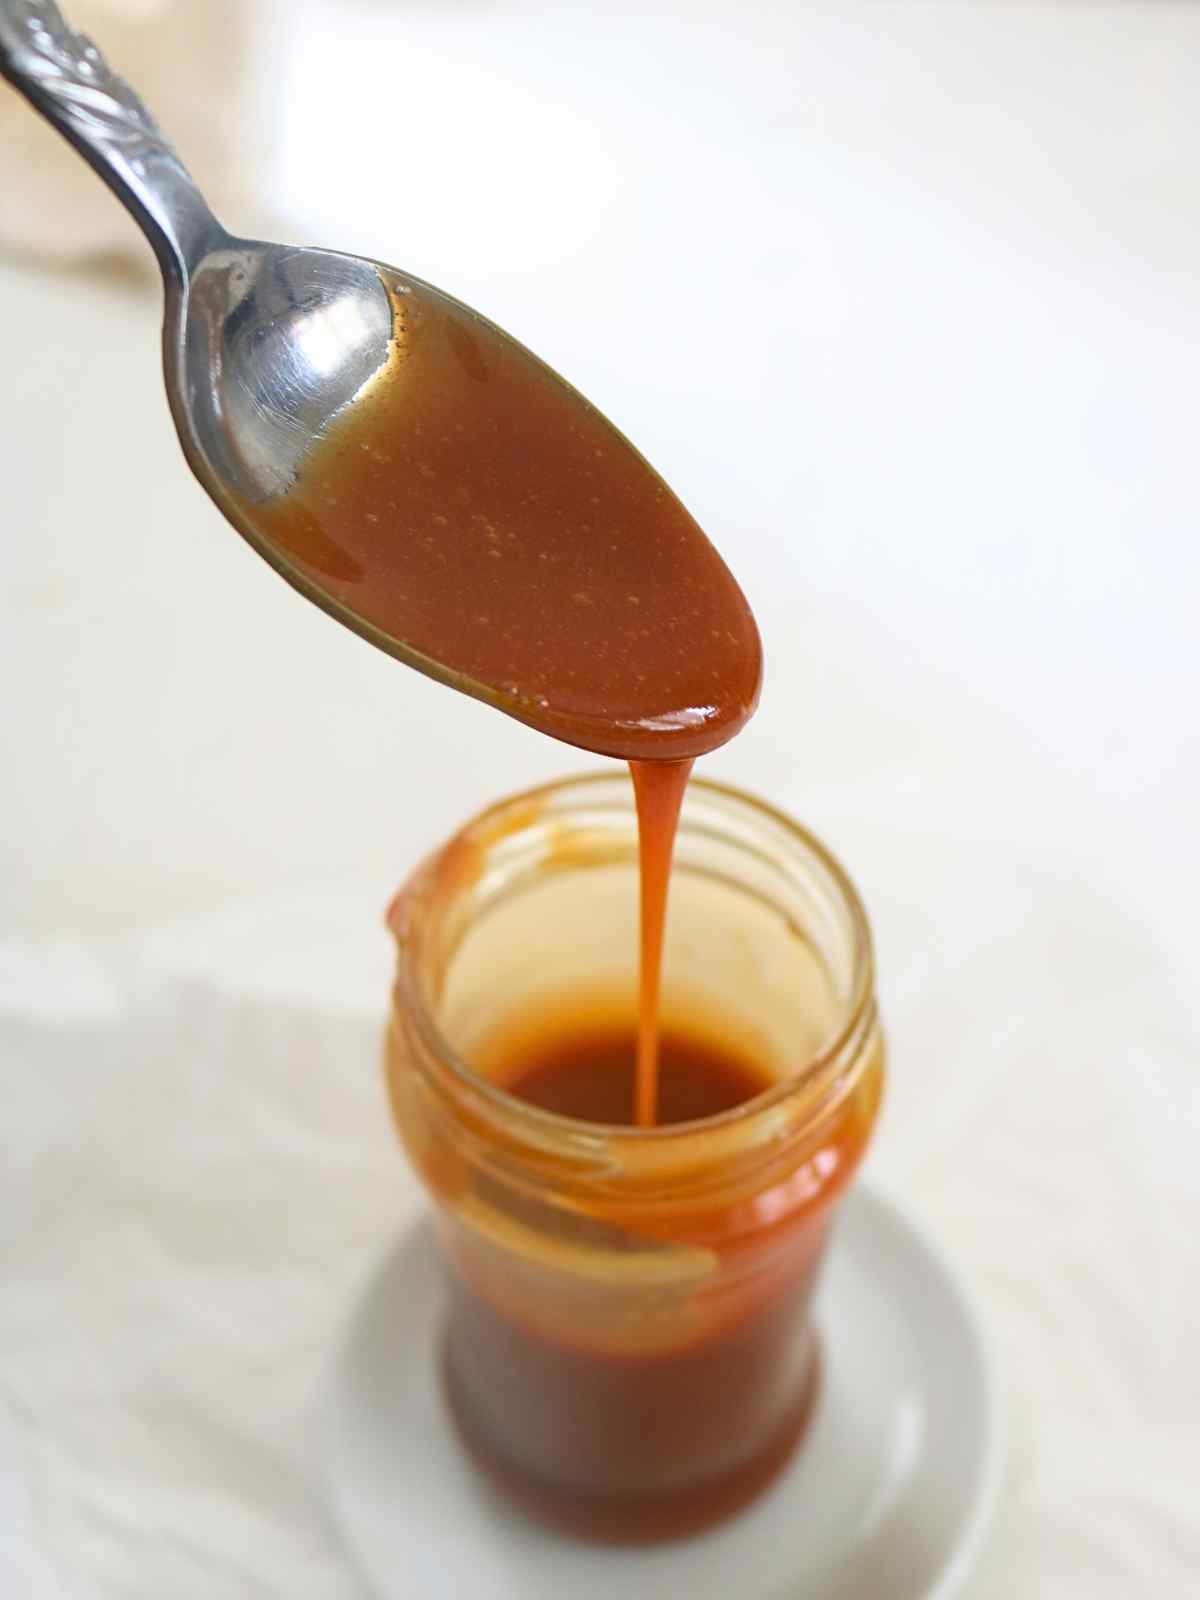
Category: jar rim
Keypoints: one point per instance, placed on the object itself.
(858, 1007)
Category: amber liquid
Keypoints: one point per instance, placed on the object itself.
(658, 787)
(653, 1444)
(592, 1075)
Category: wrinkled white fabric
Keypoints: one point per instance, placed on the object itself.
(191, 1191)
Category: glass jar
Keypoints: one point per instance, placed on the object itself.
(628, 1343)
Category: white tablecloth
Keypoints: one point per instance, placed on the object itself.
(904, 300)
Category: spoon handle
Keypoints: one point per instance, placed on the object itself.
(63, 75)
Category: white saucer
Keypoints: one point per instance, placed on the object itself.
(890, 1493)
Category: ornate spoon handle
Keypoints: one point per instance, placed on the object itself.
(64, 77)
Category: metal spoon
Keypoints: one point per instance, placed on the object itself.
(264, 345)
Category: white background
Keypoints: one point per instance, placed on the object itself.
(905, 301)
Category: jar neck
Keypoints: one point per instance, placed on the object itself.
(712, 1159)
(726, 838)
